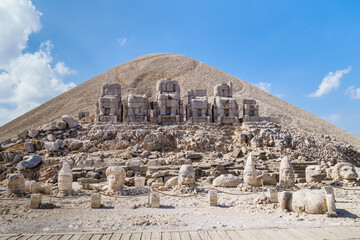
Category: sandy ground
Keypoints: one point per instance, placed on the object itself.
(192, 213)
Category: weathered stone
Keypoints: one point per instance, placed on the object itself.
(115, 177)
(193, 156)
(29, 162)
(35, 201)
(286, 177)
(52, 146)
(51, 138)
(72, 123)
(158, 141)
(186, 175)
(137, 109)
(273, 195)
(65, 178)
(95, 200)
(213, 199)
(343, 171)
(139, 182)
(15, 183)
(225, 108)
(313, 174)
(23, 135)
(29, 147)
(198, 110)
(33, 133)
(250, 172)
(226, 180)
(73, 144)
(168, 108)
(155, 200)
(33, 187)
(109, 107)
(61, 125)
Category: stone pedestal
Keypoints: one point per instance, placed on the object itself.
(139, 182)
(35, 201)
(95, 200)
(47, 188)
(213, 199)
(273, 195)
(155, 200)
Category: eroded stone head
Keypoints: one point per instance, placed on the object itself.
(286, 177)
(15, 183)
(186, 175)
(313, 173)
(250, 173)
(116, 177)
(343, 171)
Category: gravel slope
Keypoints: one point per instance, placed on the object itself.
(140, 75)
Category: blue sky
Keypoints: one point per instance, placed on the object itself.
(291, 47)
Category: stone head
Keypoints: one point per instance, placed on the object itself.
(344, 171)
(250, 173)
(115, 177)
(186, 175)
(15, 183)
(286, 177)
(313, 173)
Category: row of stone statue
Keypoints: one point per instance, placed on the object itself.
(168, 107)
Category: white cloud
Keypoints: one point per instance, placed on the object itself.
(333, 118)
(330, 82)
(27, 79)
(18, 20)
(353, 92)
(122, 41)
(264, 86)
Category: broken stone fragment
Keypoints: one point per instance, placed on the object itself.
(70, 121)
(226, 180)
(29, 162)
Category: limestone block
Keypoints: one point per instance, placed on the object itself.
(213, 199)
(95, 200)
(273, 195)
(33, 133)
(29, 147)
(35, 201)
(29, 162)
(15, 183)
(52, 146)
(139, 182)
(155, 200)
(70, 121)
(226, 180)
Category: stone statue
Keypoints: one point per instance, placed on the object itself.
(109, 108)
(168, 108)
(250, 172)
(343, 172)
(198, 109)
(116, 178)
(313, 174)
(65, 178)
(225, 109)
(15, 183)
(137, 109)
(186, 178)
(309, 201)
(250, 111)
(286, 177)
(186, 175)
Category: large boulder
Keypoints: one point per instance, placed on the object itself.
(73, 144)
(226, 180)
(29, 162)
(159, 141)
(70, 121)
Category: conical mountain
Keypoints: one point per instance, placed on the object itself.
(139, 76)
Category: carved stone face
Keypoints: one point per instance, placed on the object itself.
(186, 175)
(313, 173)
(15, 183)
(287, 177)
(115, 177)
(347, 172)
(250, 177)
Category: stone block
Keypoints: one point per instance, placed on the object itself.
(95, 200)
(139, 182)
(35, 201)
(273, 195)
(155, 200)
(213, 199)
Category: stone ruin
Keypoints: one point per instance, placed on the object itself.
(115, 178)
(313, 174)
(225, 108)
(137, 109)
(168, 107)
(15, 183)
(65, 179)
(250, 111)
(286, 178)
(343, 172)
(198, 110)
(109, 107)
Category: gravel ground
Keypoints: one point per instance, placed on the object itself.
(192, 213)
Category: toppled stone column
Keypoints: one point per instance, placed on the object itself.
(137, 109)
(15, 183)
(198, 110)
(168, 108)
(225, 108)
(65, 178)
(109, 107)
